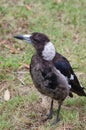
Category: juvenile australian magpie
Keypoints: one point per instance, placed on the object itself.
(51, 72)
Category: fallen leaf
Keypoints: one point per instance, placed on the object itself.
(6, 95)
(67, 49)
(76, 38)
(57, 1)
(28, 7)
(2, 42)
(12, 50)
(23, 66)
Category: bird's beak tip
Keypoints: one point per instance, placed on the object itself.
(19, 37)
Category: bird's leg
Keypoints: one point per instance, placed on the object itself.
(58, 112)
(49, 116)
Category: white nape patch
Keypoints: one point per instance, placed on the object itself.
(49, 51)
(72, 77)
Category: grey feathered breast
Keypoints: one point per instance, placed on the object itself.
(47, 79)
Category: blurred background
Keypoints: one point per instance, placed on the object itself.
(64, 22)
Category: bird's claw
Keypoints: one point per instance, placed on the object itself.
(49, 116)
(56, 121)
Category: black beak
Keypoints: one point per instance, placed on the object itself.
(20, 37)
(26, 38)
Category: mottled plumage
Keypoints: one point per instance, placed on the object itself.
(48, 80)
(51, 73)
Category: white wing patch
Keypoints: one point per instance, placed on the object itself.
(49, 51)
(72, 77)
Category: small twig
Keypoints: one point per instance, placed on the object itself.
(21, 81)
(20, 72)
(2, 90)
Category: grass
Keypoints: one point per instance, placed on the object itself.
(65, 24)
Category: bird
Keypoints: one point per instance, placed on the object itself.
(51, 72)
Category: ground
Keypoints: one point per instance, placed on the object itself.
(64, 21)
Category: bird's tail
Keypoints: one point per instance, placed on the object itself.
(77, 87)
(81, 92)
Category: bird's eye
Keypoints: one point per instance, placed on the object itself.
(36, 39)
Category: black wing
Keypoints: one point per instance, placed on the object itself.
(63, 65)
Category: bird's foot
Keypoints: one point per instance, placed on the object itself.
(56, 121)
(48, 116)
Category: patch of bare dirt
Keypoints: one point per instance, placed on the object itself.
(30, 116)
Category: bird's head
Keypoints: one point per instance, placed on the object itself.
(41, 43)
